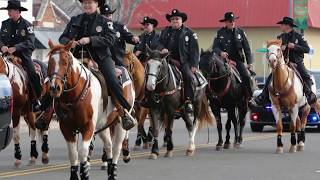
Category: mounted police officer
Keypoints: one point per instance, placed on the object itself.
(123, 36)
(148, 38)
(182, 43)
(95, 35)
(231, 43)
(293, 47)
(17, 38)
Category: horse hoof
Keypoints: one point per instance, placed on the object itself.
(293, 149)
(189, 152)
(169, 154)
(219, 148)
(300, 147)
(153, 156)
(237, 145)
(226, 146)
(32, 161)
(126, 159)
(104, 166)
(17, 164)
(45, 158)
(279, 150)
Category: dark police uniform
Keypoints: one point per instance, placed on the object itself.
(183, 46)
(21, 36)
(123, 36)
(102, 38)
(150, 39)
(235, 43)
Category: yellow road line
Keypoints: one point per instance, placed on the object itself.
(97, 161)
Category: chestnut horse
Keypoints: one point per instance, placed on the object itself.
(80, 107)
(10, 66)
(286, 92)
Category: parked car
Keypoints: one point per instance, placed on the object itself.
(6, 105)
(262, 115)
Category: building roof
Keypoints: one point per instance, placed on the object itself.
(207, 13)
(43, 35)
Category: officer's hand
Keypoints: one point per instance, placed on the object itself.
(250, 66)
(163, 51)
(135, 39)
(11, 50)
(74, 44)
(283, 47)
(137, 53)
(84, 40)
(4, 49)
(194, 69)
(224, 55)
(291, 45)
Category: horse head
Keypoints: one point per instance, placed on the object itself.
(154, 68)
(212, 64)
(274, 54)
(59, 65)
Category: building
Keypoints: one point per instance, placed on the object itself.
(257, 17)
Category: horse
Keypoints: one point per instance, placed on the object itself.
(83, 106)
(137, 71)
(11, 67)
(161, 81)
(225, 91)
(286, 93)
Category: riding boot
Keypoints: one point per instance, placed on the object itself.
(311, 97)
(128, 122)
(262, 98)
(188, 105)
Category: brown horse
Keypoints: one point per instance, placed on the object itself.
(286, 93)
(10, 66)
(81, 107)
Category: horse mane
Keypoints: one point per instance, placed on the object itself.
(274, 42)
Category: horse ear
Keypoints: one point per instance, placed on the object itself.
(201, 51)
(69, 46)
(50, 43)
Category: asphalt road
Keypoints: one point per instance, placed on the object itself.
(255, 161)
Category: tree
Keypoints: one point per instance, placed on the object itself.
(125, 9)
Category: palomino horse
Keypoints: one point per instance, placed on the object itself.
(286, 92)
(162, 82)
(22, 107)
(137, 72)
(225, 91)
(82, 108)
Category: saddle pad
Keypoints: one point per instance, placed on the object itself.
(200, 79)
(125, 77)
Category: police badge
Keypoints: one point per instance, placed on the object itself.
(118, 34)
(23, 32)
(98, 29)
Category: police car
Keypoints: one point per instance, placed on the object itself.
(6, 105)
(262, 115)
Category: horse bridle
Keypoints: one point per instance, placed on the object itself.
(64, 77)
(213, 64)
(160, 72)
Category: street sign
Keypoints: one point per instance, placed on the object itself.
(301, 13)
(311, 52)
(262, 50)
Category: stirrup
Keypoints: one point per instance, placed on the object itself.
(127, 121)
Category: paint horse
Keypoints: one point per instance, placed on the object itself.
(162, 81)
(82, 107)
(11, 67)
(286, 93)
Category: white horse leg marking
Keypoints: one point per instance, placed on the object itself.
(192, 135)
(33, 134)
(73, 153)
(16, 134)
(118, 139)
(84, 150)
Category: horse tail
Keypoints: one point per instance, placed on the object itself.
(205, 116)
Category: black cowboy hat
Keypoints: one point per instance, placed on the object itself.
(229, 16)
(14, 4)
(176, 12)
(147, 19)
(106, 10)
(288, 21)
(100, 2)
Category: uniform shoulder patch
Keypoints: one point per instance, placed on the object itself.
(125, 28)
(110, 24)
(195, 36)
(30, 29)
